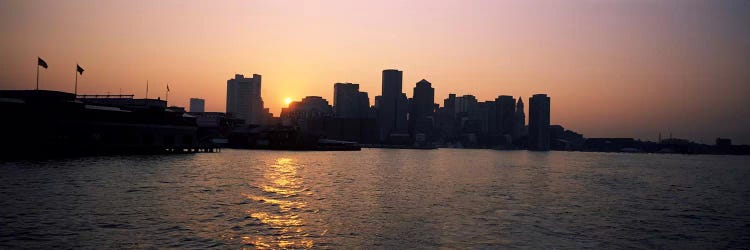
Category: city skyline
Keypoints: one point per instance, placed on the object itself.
(614, 76)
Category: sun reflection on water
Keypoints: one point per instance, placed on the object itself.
(280, 185)
(284, 205)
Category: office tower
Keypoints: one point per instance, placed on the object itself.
(197, 105)
(468, 114)
(349, 102)
(539, 127)
(392, 82)
(450, 103)
(447, 117)
(309, 107)
(506, 109)
(519, 119)
(466, 104)
(244, 100)
(392, 105)
(307, 114)
(488, 111)
(422, 113)
(423, 103)
(423, 99)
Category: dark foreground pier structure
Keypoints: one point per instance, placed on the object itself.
(42, 123)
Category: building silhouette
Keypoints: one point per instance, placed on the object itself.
(539, 122)
(505, 112)
(519, 120)
(392, 82)
(564, 139)
(421, 114)
(307, 114)
(447, 119)
(469, 114)
(392, 108)
(349, 102)
(466, 104)
(197, 105)
(423, 100)
(244, 100)
(52, 123)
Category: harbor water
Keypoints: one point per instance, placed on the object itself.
(377, 198)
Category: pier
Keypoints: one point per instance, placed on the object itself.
(193, 149)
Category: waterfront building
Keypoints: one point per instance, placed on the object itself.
(361, 130)
(308, 114)
(422, 108)
(423, 100)
(447, 118)
(519, 120)
(244, 99)
(539, 122)
(504, 114)
(177, 109)
(468, 114)
(197, 105)
(466, 104)
(349, 102)
(52, 123)
(488, 117)
(723, 142)
(392, 81)
(392, 107)
(564, 139)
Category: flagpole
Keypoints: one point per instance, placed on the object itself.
(75, 90)
(37, 76)
(146, 89)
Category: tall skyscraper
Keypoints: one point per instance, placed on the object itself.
(519, 120)
(349, 102)
(539, 129)
(197, 105)
(423, 100)
(422, 106)
(488, 112)
(392, 82)
(447, 117)
(506, 109)
(244, 100)
(392, 105)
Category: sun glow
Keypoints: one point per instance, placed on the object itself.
(287, 101)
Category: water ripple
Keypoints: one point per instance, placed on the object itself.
(377, 198)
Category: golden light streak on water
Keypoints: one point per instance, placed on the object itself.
(280, 186)
(284, 205)
(279, 221)
(285, 192)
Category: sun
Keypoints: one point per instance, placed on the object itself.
(287, 101)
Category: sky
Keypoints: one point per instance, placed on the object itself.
(630, 68)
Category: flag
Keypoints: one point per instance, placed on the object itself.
(79, 69)
(41, 62)
(167, 87)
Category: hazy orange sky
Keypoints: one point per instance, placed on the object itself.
(612, 68)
